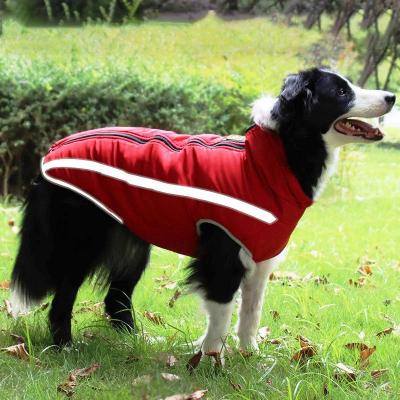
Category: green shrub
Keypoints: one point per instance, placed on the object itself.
(40, 104)
(73, 11)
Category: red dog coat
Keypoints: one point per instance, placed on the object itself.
(162, 185)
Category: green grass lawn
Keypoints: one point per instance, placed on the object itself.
(255, 55)
(357, 217)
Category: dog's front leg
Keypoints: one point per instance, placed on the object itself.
(253, 288)
(219, 319)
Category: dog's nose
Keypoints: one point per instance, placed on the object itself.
(390, 99)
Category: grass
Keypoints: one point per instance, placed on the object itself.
(356, 217)
(254, 55)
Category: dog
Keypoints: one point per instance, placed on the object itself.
(210, 197)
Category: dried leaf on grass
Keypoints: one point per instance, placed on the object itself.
(246, 353)
(361, 281)
(274, 341)
(132, 358)
(68, 387)
(275, 315)
(357, 346)
(169, 285)
(95, 307)
(344, 371)
(13, 226)
(198, 394)
(43, 306)
(19, 351)
(170, 377)
(365, 269)
(17, 338)
(193, 363)
(142, 380)
(306, 351)
(263, 333)
(376, 373)
(168, 360)
(283, 275)
(153, 317)
(395, 330)
(8, 308)
(174, 298)
(236, 386)
(5, 285)
(365, 354)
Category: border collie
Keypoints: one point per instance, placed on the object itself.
(71, 230)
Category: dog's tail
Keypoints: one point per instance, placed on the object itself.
(31, 280)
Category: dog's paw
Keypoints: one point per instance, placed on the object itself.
(214, 349)
(249, 345)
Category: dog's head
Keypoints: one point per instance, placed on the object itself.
(319, 102)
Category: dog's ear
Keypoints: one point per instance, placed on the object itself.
(296, 88)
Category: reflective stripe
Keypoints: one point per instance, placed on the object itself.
(156, 186)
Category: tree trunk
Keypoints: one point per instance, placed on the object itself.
(346, 11)
(392, 66)
(373, 9)
(378, 45)
(7, 165)
(314, 16)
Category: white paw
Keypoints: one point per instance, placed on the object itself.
(214, 349)
(212, 346)
(249, 344)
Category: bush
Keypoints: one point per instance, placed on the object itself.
(42, 104)
(77, 11)
(175, 5)
(73, 11)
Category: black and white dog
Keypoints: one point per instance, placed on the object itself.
(66, 238)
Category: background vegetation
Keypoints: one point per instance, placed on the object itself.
(91, 70)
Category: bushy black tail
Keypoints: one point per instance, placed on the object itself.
(31, 280)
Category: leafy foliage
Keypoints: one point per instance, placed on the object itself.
(73, 10)
(43, 103)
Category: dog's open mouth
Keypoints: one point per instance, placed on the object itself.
(355, 127)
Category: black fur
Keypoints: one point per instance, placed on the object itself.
(217, 259)
(65, 238)
(308, 104)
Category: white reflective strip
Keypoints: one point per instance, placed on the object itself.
(67, 185)
(159, 186)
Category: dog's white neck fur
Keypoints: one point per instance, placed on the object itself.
(261, 112)
(329, 169)
(262, 116)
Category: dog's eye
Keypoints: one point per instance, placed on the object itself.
(341, 92)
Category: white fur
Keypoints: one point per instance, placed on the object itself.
(246, 260)
(219, 319)
(368, 103)
(330, 168)
(261, 112)
(20, 303)
(253, 288)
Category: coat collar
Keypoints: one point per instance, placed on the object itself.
(266, 153)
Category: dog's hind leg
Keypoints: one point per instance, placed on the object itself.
(126, 259)
(216, 273)
(253, 288)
